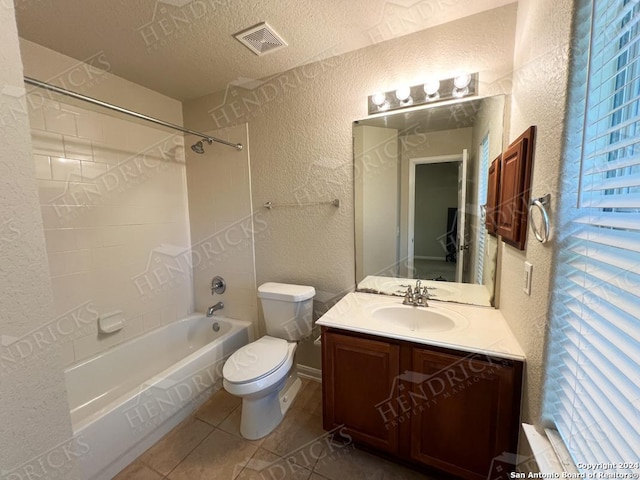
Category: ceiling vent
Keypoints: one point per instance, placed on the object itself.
(261, 39)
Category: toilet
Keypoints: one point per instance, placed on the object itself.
(263, 372)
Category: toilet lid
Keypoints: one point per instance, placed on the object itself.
(255, 360)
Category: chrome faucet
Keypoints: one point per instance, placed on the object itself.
(417, 297)
(213, 308)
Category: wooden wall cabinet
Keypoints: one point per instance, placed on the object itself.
(444, 409)
(491, 219)
(514, 189)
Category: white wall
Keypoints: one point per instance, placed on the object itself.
(223, 225)
(113, 201)
(36, 426)
(301, 140)
(540, 81)
(376, 195)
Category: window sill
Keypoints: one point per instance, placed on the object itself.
(551, 456)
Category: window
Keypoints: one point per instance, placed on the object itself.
(592, 390)
(481, 203)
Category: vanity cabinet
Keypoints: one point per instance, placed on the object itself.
(444, 409)
(362, 372)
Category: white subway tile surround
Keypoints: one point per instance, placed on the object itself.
(111, 192)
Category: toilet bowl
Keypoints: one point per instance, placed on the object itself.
(263, 372)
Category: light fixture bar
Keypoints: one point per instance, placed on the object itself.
(464, 85)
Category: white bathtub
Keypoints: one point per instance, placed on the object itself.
(125, 399)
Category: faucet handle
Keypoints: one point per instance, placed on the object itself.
(425, 292)
(408, 297)
(218, 285)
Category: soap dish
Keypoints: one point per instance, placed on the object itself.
(111, 322)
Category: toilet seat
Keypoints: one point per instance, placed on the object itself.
(256, 360)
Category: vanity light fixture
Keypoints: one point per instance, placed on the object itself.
(433, 90)
(461, 85)
(404, 95)
(380, 100)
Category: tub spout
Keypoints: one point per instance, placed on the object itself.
(213, 308)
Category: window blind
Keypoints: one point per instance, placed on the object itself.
(482, 200)
(592, 389)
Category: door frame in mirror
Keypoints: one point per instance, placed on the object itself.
(413, 162)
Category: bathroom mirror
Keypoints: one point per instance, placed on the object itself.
(420, 187)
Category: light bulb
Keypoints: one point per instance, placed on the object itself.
(431, 87)
(378, 98)
(403, 94)
(462, 81)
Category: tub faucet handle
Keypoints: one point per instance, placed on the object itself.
(218, 285)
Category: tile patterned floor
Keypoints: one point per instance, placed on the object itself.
(208, 446)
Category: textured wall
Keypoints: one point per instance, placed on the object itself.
(301, 144)
(538, 98)
(92, 78)
(113, 201)
(34, 415)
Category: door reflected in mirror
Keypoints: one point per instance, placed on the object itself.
(420, 186)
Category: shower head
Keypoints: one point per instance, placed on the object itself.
(198, 147)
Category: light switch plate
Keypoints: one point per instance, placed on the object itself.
(528, 270)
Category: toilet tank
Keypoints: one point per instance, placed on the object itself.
(288, 309)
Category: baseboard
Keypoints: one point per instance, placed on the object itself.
(310, 373)
(423, 257)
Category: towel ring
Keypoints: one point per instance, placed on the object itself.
(541, 203)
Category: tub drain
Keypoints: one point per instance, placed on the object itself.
(216, 326)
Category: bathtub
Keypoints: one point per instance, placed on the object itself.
(125, 399)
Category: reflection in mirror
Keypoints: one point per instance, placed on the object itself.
(420, 185)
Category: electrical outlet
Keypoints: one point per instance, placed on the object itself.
(528, 270)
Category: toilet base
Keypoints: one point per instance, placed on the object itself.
(260, 416)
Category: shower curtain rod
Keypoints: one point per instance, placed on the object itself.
(84, 98)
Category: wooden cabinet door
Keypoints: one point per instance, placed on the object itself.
(359, 379)
(491, 221)
(470, 415)
(514, 190)
(509, 199)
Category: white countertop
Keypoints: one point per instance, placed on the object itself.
(482, 329)
(467, 293)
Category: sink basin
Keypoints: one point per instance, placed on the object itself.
(427, 319)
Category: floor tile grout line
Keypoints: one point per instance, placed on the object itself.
(143, 463)
(280, 459)
(250, 458)
(221, 421)
(194, 416)
(213, 429)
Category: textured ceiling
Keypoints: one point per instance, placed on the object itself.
(185, 49)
